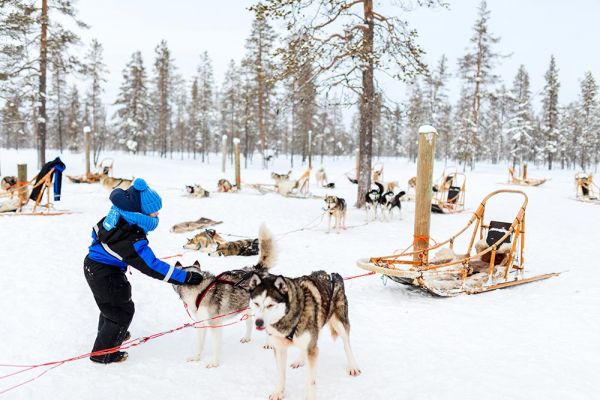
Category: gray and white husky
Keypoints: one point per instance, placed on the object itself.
(293, 311)
(224, 294)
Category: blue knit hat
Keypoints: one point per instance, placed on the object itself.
(150, 201)
(138, 198)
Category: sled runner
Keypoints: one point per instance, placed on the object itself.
(523, 180)
(105, 167)
(586, 190)
(449, 193)
(497, 260)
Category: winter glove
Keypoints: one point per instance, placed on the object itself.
(193, 278)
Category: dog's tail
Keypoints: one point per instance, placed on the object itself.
(268, 251)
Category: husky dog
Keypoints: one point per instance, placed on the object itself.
(377, 174)
(392, 201)
(196, 191)
(224, 186)
(336, 207)
(321, 177)
(110, 183)
(223, 294)
(245, 247)
(205, 241)
(8, 182)
(278, 178)
(189, 226)
(412, 182)
(293, 311)
(372, 200)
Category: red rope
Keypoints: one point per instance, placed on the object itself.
(131, 343)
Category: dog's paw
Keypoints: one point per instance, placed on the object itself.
(297, 364)
(195, 358)
(268, 346)
(353, 371)
(245, 339)
(212, 364)
(278, 395)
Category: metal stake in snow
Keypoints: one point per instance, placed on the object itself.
(224, 148)
(236, 149)
(427, 137)
(87, 133)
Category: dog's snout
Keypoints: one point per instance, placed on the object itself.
(259, 323)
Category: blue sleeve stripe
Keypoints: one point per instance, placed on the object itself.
(146, 254)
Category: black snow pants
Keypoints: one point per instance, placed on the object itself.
(112, 293)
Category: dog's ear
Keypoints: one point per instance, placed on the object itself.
(254, 281)
(178, 264)
(280, 284)
(196, 263)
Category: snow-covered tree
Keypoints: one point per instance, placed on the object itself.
(521, 121)
(73, 120)
(550, 113)
(206, 106)
(133, 106)
(416, 114)
(587, 141)
(95, 72)
(162, 96)
(477, 72)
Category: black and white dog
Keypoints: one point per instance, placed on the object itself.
(372, 200)
(389, 202)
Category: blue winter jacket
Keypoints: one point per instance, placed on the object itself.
(127, 244)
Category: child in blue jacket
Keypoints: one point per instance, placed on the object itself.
(118, 241)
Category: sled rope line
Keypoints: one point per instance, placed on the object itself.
(128, 344)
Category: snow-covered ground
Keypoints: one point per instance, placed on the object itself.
(536, 341)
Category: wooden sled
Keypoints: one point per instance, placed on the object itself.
(105, 167)
(497, 262)
(585, 188)
(40, 208)
(449, 194)
(523, 180)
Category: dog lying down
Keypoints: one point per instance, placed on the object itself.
(223, 294)
(293, 311)
(209, 241)
(189, 226)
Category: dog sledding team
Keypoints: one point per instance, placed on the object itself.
(292, 311)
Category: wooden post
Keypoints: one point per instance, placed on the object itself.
(236, 149)
(87, 132)
(22, 184)
(310, 148)
(524, 171)
(427, 138)
(224, 148)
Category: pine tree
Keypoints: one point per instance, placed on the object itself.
(476, 69)
(134, 108)
(13, 124)
(73, 120)
(415, 117)
(30, 32)
(438, 109)
(587, 141)
(258, 62)
(95, 71)
(496, 117)
(521, 121)
(163, 70)
(550, 113)
(231, 104)
(206, 106)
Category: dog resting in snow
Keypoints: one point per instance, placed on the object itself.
(223, 294)
(293, 311)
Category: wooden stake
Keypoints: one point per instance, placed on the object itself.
(236, 149)
(224, 148)
(427, 137)
(22, 183)
(87, 132)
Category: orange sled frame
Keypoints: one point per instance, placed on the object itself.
(484, 271)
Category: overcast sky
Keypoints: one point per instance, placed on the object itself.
(531, 30)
